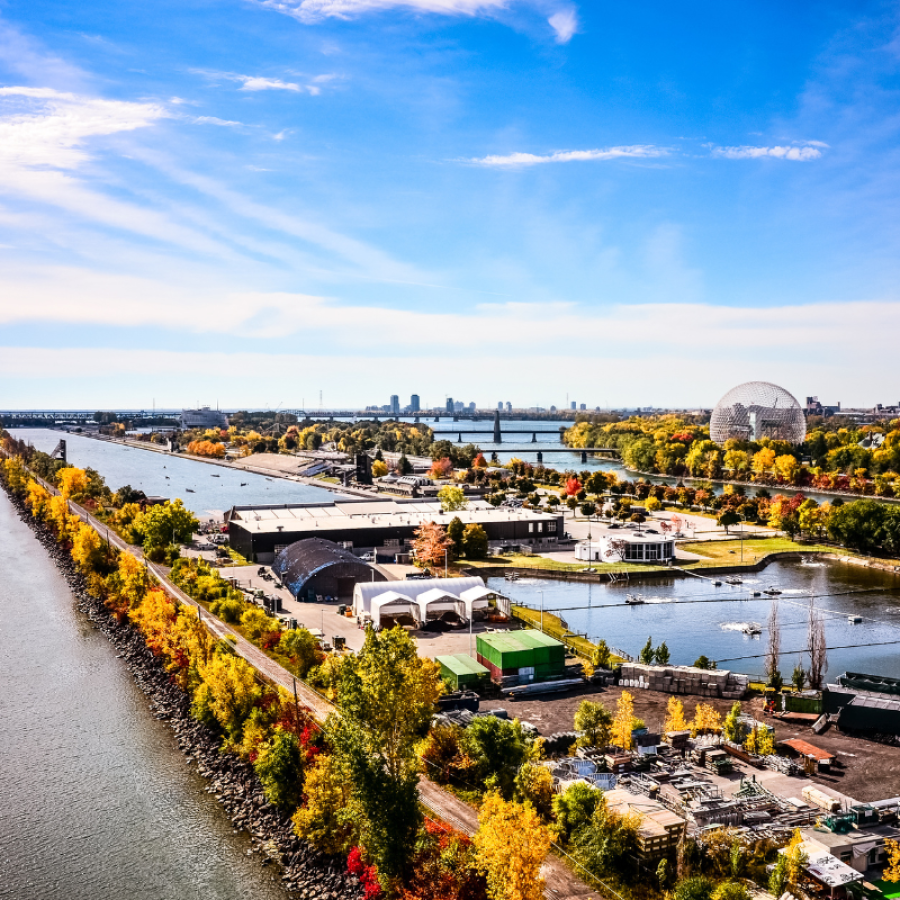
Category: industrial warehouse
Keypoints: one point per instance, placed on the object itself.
(383, 526)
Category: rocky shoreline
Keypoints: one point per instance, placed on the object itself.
(306, 873)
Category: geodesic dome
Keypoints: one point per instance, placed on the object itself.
(756, 410)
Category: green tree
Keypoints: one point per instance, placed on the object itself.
(699, 887)
(661, 654)
(387, 696)
(299, 645)
(798, 677)
(165, 524)
(279, 766)
(601, 657)
(594, 720)
(778, 880)
(452, 498)
(732, 728)
(647, 654)
(404, 466)
(455, 531)
(574, 808)
(497, 747)
(857, 524)
(475, 542)
(728, 518)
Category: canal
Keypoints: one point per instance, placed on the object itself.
(98, 801)
(696, 617)
(205, 489)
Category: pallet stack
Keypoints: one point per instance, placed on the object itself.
(684, 680)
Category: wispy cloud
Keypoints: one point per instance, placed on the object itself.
(255, 83)
(314, 10)
(215, 120)
(513, 160)
(46, 127)
(795, 152)
(565, 24)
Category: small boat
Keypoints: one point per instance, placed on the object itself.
(215, 476)
(757, 594)
(634, 599)
(733, 580)
(751, 628)
(243, 484)
(512, 576)
(854, 620)
(772, 591)
(717, 584)
(190, 490)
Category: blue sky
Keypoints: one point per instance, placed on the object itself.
(250, 201)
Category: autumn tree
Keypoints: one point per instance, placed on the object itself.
(430, 545)
(534, 785)
(279, 766)
(732, 727)
(707, 720)
(623, 723)
(452, 498)
(227, 694)
(475, 541)
(675, 720)
(328, 819)
(511, 843)
(816, 646)
(72, 482)
(386, 697)
(892, 870)
(163, 525)
(594, 721)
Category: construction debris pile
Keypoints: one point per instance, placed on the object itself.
(685, 680)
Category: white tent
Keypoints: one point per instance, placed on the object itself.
(476, 598)
(366, 591)
(391, 603)
(437, 601)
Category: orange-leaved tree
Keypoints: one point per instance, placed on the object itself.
(511, 844)
(431, 544)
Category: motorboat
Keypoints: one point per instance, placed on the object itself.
(733, 580)
(772, 591)
(634, 599)
(854, 620)
(751, 628)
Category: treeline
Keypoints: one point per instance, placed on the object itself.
(862, 460)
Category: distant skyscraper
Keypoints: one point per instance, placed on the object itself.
(395, 405)
(500, 406)
(573, 405)
(449, 405)
(508, 406)
(414, 403)
(583, 406)
(458, 406)
(472, 406)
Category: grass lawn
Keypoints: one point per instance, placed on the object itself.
(728, 553)
(554, 565)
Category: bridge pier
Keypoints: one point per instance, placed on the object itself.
(494, 457)
(540, 457)
(583, 456)
(498, 438)
(459, 438)
(533, 437)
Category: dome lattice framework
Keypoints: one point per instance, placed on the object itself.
(755, 410)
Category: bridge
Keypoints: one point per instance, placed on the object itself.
(545, 449)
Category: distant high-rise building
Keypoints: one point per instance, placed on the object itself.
(414, 403)
(458, 406)
(508, 406)
(449, 405)
(500, 406)
(583, 406)
(552, 409)
(572, 405)
(472, 406)
(395, 405)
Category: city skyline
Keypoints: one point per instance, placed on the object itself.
(657, 204)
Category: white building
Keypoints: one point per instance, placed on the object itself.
(627, 547)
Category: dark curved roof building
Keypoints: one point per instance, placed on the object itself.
(316, 566)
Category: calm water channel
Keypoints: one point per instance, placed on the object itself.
(694, 617)
(215, 488)
(97, 799)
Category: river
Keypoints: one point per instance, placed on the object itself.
(205, 489)
(98, 801)
(694, 616)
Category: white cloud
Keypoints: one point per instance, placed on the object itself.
(313, 10)
(49, 127)
(794, 152)
(565, 24)
(256, 83)
(215, 120)
(511, 160)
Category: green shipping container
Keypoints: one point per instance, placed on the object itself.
(461, 671)
(515, 650)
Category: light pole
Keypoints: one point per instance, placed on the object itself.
(542, 609)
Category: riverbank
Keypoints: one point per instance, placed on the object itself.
(232, 781)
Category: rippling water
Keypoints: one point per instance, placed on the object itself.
(694, 617)
(96, 800)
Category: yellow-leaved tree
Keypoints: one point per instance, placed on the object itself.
(59, 518)
(675, 720)
(623, 723)
(796, 857)
(72, 482)
(706, 720)
(37, 499)
(892, 870)
(228, 693)
(328, 819)
(88, 549)
(511, 844)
